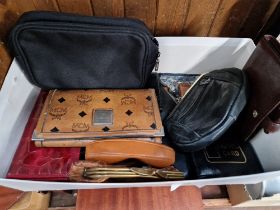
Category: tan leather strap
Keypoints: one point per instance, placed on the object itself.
(183, 88)
(113, 151)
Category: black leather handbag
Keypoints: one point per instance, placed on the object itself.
(66, 51)
(207, 109)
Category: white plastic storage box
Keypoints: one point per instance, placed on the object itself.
(178, 55)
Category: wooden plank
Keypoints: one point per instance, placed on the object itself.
(236, 17)
(156, 198)
(144, 10)
(259, 16)
(214, 191)
(9, 196)
(220, 202)
(47, 5)
(8, 18)
(237, 194)
(171, 17)
(200, 17)
(5, 62)
(110, 8)
(220, 17)
(22, 6)
(81, 7)
(10, 11)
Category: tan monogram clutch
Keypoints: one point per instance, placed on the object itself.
(99, 114)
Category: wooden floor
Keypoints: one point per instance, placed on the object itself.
(140, 199)
(156, 198)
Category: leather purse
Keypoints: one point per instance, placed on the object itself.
(33, 163)
(79, 115)
(223, 159)
(67, 51)
(263, 107)
(114, 151)
(209, 107)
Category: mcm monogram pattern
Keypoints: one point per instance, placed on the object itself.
(80, 127)
(57, 112)
(148, 110)
(71, 113)
(129, 125)
(84, 99)
(128, 99)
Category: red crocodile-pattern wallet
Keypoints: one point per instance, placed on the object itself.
(34, 163)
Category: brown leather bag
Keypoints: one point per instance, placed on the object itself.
(263, 73)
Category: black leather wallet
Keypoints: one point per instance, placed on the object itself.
(221, 159)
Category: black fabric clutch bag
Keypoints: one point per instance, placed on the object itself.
(207, 109)
(66, 51)
(220, 160)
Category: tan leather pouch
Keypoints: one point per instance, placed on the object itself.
(113, 151)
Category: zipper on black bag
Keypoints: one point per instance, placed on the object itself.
(181, 99)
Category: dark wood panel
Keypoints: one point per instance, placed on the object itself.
(144, 10)
(111, 8)
(221, 16)
(228, 21)
(259, 15)
(155, 198)
(81, 7)
(5, 61)
(200, 18)
(171, 17)
(23, 6)
(10, 11)
(48, 5)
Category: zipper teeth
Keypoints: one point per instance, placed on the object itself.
(116, 22)
(178, 104)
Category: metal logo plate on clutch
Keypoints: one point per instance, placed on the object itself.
(103, 117)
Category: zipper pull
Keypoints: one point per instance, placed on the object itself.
(154, 40)
(205, 81)
(178, 99)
